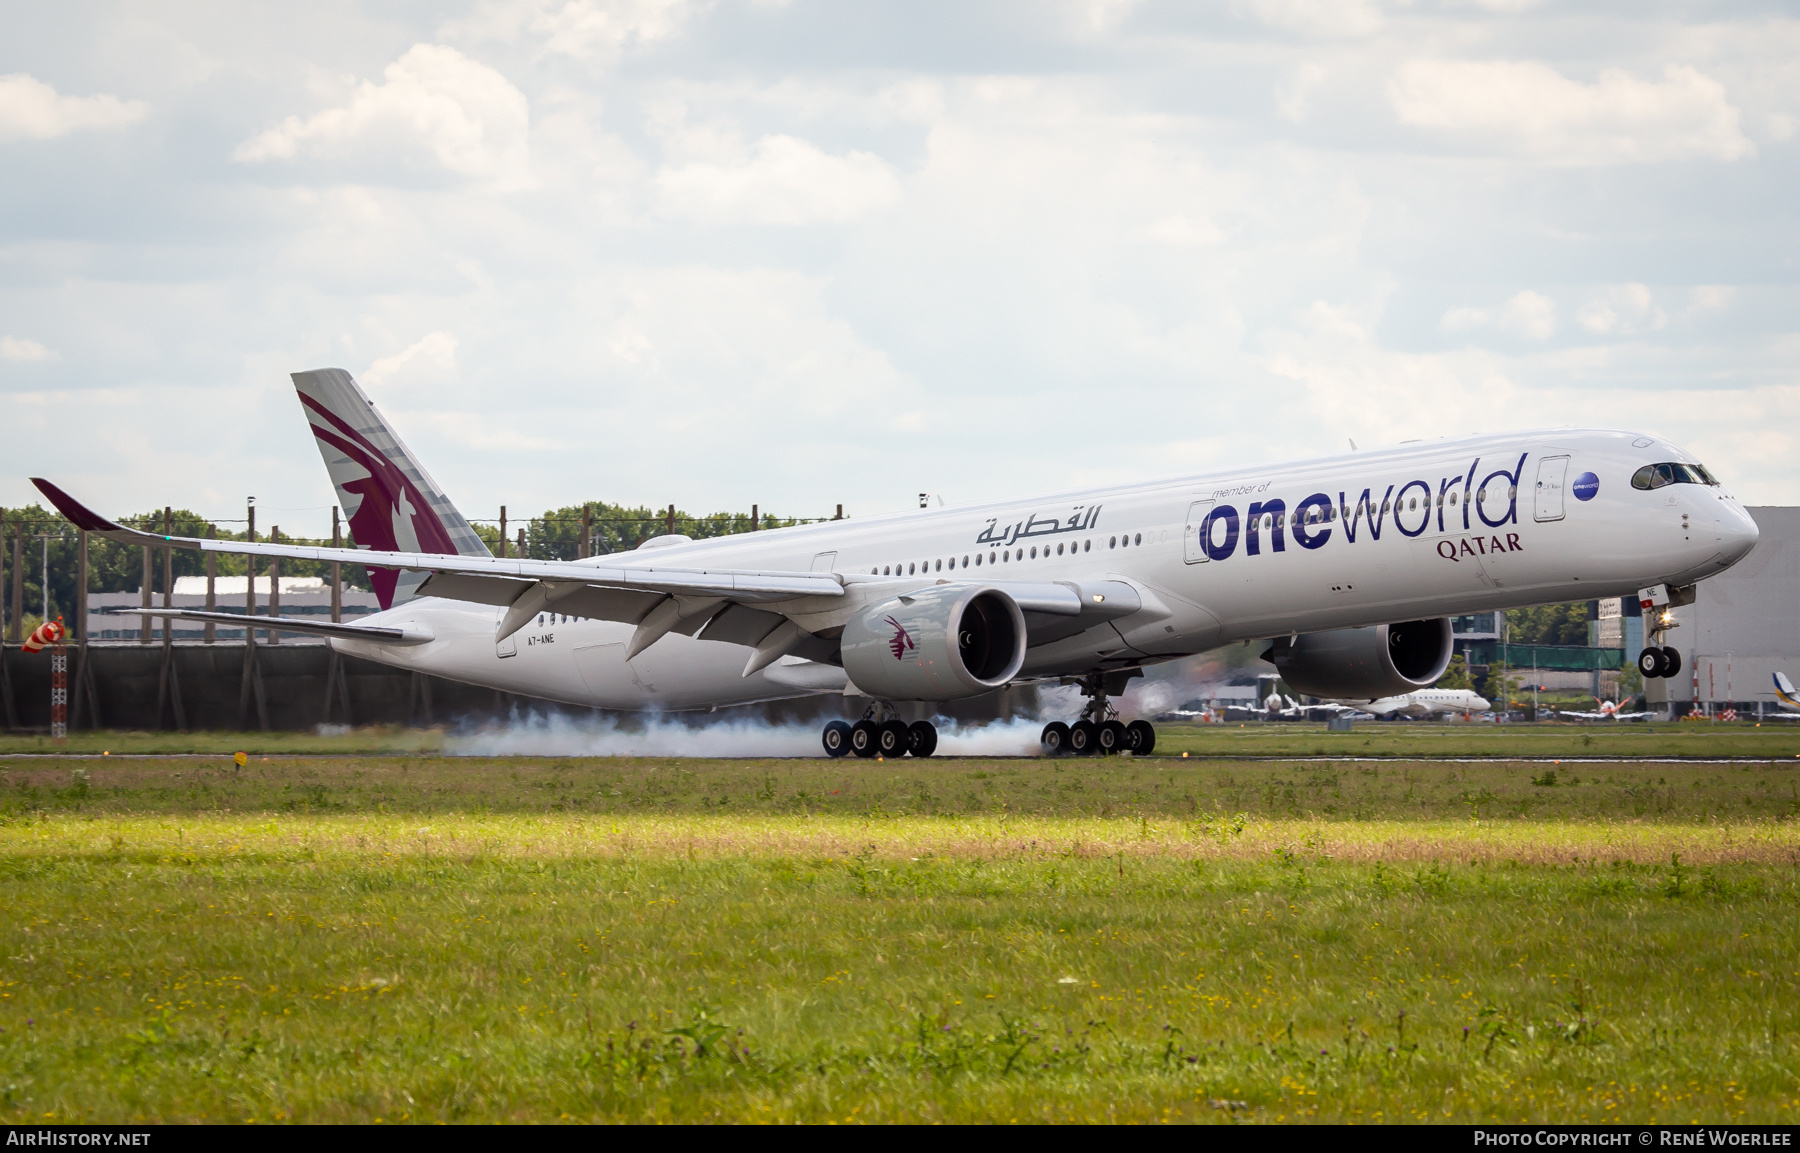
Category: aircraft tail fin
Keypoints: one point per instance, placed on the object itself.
(389, 499)
(1784, 691)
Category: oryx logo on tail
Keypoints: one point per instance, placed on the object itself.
(901, 642)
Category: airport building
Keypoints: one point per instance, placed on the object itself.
(1741, 630)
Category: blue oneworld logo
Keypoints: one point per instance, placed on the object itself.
(1586, 486)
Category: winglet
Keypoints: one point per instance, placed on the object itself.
(88, 520)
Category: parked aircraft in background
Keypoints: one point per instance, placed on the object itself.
(1608, 712)
(1427, 703)
(1787, 698)
(1350, 564)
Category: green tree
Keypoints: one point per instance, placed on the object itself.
(1457, 675)
(1500, 687)
(1564, 624)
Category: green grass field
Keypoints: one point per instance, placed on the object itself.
(421, 938)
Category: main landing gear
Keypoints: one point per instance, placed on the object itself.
(1658, 659)
(1099, 731)
(880, 734)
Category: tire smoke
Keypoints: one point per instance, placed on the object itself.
(556, 735)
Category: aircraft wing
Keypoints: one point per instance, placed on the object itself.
(737, 606)
(403, 635)
(1585, 716)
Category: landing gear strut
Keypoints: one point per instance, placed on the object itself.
(1099, 731)
(880, 733)
(1659, 659)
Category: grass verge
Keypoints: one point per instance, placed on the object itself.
(427, 939)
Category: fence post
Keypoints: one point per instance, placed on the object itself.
(82, 684)
(502, 532)
(144, 601)
(840, 513)
(755, 521)
(274, 584)
(671, 520)
(212, 575)
(168, 687)
(16, 628)
(10, 713)
(522, 551)
(587, 532)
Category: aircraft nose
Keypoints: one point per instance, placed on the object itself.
(1482, 703)
(1738, 533)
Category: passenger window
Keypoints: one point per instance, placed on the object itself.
(966, 561)
(1033, 552)
(940, 566)
(1087, 545)
(1112, 542)
(1139, 539)
(1059, 549)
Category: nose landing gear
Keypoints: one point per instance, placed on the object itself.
(1658, 659)
(1099, 731)
(880, 734)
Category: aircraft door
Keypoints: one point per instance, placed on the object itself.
(824, 562)
(1193, 548)
(1553, 472)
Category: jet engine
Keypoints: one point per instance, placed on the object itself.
(938, 644)
(1366, 663)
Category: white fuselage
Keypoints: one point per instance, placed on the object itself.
(1427, 702)
(1382, 556)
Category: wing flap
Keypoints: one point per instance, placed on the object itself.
(409, 634)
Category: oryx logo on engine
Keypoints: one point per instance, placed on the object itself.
(901, 642)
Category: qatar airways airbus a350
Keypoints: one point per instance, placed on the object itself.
(1350, 565)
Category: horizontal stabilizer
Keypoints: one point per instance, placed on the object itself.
(379, 634)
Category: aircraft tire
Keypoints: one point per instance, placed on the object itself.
(921, 738)
(865, 738)
(891, 739)
(836, 738)
(1141, 738)
(1672, 658)
(1055, 739)
(1112, 738)
(1651, 663)
(1084, 738)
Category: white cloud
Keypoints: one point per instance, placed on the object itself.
(783, 180)
(19, 349)
(1532, 109)
(1706, 298)
(33, 110)
(436, 350)
(1292, 97)
(587, 30)
(1323, 18)
(1623, 310)
(1529, 314)
(435, 105)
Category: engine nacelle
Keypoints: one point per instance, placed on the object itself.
(1367, 663)
(939, 644)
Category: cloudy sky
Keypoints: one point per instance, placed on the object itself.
(724, 251)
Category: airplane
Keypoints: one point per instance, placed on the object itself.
(1349, 565)
(1786, 697)
(1427, 702)
(1608, 712)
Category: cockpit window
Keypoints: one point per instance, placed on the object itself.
(1657, 475)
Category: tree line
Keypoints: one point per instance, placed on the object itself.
(555, 534)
